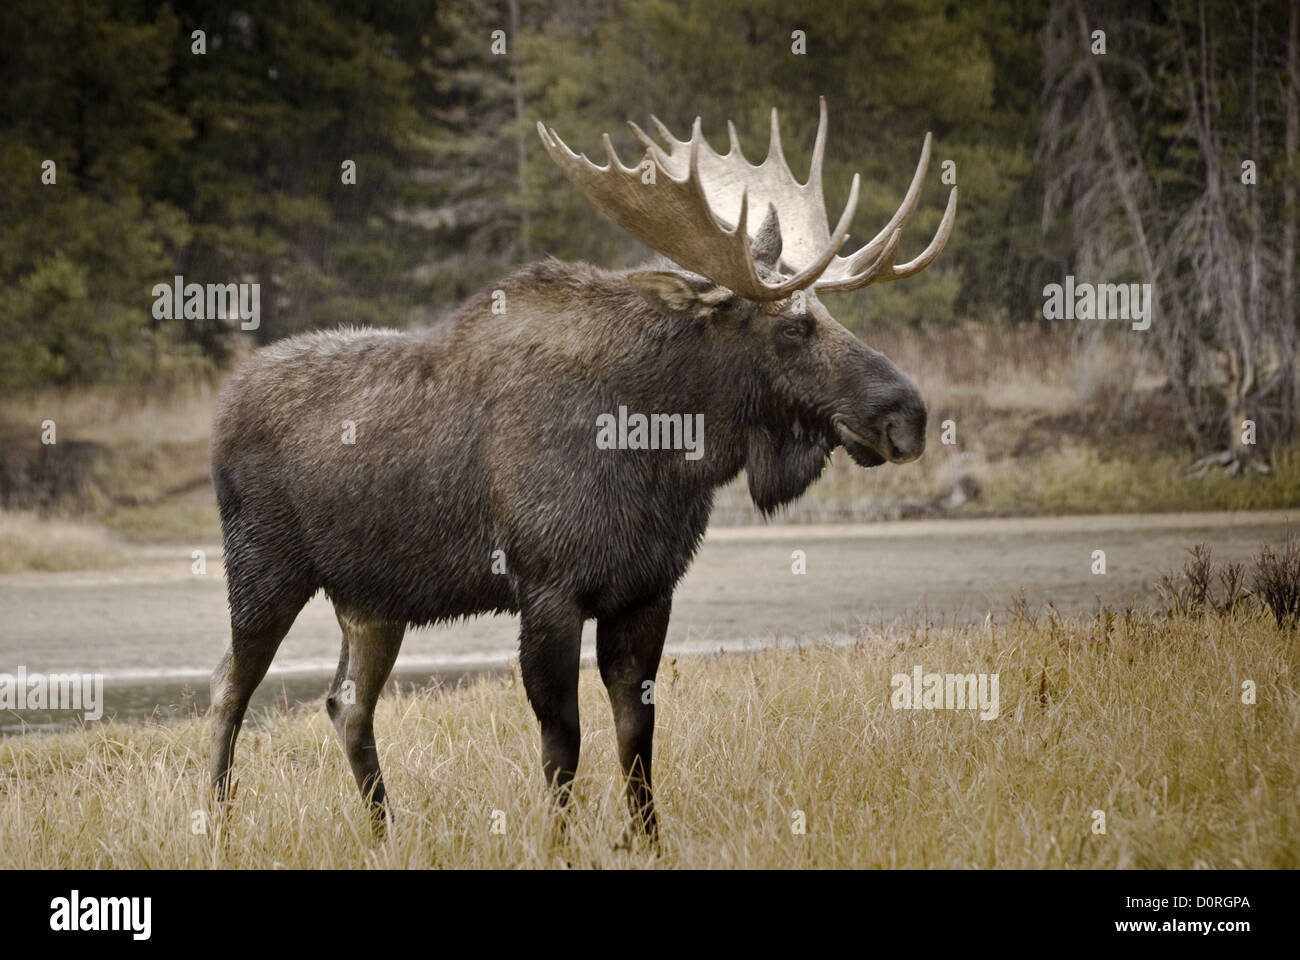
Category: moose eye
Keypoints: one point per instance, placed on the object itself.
(793, 330)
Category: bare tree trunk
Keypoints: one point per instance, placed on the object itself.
(1238, 340)
(1289, 323)
(1179, 352)
(1131, 212)
(1292, 167)
(1223, 321)
(525, 226)
(1238, 403)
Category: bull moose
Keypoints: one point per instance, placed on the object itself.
(481, 436)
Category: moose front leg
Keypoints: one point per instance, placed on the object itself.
(628, 647)
(369, 651)
(550, 640)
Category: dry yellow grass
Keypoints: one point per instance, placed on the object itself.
(152, 483)
(144, 418)
(29, 542)
(1139, 717)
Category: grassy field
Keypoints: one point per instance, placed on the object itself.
(1140, 717)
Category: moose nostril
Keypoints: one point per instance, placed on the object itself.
(904, 443)
(895, 449)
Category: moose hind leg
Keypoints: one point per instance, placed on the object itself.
(268, 582)
(237, 675)
(628, 648)
(369, 651)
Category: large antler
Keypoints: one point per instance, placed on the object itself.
(699, 201)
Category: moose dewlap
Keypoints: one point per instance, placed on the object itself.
(395, 470)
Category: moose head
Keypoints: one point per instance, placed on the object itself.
(754, 246)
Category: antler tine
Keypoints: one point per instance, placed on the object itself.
(774, 151)
(559, 150)
(809, 275)
(883, 269)
(646, 140)
(883, 263)
(901, 215)
(656, 151)
(819, 149)
(662, 130)
(541, 132)
(852, 276)
(697, 188)
(614, 162)
(930, 253)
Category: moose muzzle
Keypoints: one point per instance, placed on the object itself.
(886, 420)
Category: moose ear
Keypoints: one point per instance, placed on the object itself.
(666, 290)
(767, 244)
